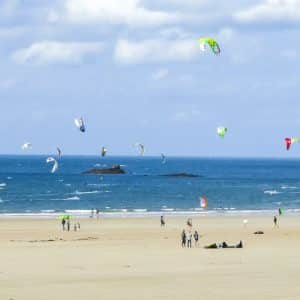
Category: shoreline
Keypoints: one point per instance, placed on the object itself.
(142, 214)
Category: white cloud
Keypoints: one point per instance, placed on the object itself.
(271, 10)
(47, 52)
(130, 12)
(155, 50)
(160, 74)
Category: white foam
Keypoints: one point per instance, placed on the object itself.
(284, 187)
(272, 192)
(87, 192)
(124, 213)
(3, 184)
(72, 198)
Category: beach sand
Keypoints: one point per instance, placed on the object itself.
(136, 259)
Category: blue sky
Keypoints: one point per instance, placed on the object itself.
(133, 70)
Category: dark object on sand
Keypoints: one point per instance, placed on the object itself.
(115, 169)
(258, 232)
(223, 245)
(181, 175)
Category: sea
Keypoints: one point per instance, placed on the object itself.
(232, 186)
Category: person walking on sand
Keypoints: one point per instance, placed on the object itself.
(68, 224)
(183, 239)
(196, 238)
(162, 221)
(275, 221)
(189, 239)
(189, 222)
(63, 223)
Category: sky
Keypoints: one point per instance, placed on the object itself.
(134, 71)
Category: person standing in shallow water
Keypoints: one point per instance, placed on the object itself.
(183, 238)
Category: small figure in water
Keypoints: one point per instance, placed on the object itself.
(196, 237)
(279, 211)
(162, 221)
(275, 221)
(183, 238)
(98, 213)
(63, 223)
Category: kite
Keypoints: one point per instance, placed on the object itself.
(26, 146)
(59, 152)
(141, 148)
(290, 141)
(163, 159)
(206, 42)
(221, 131)
(55, 165)
(103, 151)
(80, 124)
(203, 202)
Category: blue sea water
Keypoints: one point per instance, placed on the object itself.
(230, 185)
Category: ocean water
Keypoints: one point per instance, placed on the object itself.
(231, 186)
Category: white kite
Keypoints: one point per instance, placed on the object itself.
(55, 165)
(141, 148)
(26, 146)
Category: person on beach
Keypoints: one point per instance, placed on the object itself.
(189, 239)
(68, 224)
(162, 221)
(279, 211)
(196, 238)
(63, 223)
(183, 238)
(98, 213)
(189, 222)
(92, 213)
(275, 221)
(224, 245)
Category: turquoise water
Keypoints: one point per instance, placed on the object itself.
(230, 185)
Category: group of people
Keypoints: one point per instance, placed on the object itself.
(95, 213)
(66, 225)
(187, 237)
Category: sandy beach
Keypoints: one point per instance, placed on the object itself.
(136, 259)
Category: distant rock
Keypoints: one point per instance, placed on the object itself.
(115, 169)
(181, 175)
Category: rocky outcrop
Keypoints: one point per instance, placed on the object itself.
(114, 170)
